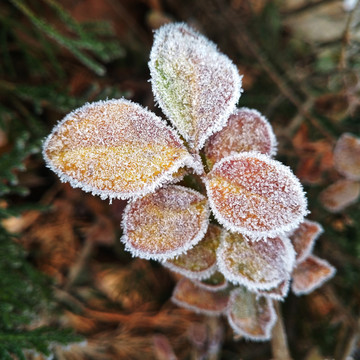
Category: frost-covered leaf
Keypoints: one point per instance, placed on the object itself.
(246, 130)
(215, 282)
(260, 264)
(195, 85)
(255, 195)
(115, 149)
(186, 294)
(200, 261)
(166, 223)
(347, 156)
(311, 274)
(339, 195)
(250, 315)
(277, 293)
(303, 238)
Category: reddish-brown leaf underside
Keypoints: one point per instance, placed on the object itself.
(190, 296)
(311, 274)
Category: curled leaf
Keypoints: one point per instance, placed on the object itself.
(246, 130)
(303, 238)
(195, 85)
(260, 264)
(200, 261)
(277, 293)
(215, 282)
(340, 195)
(347, 156)
(254, 195)
(310, 275)
(186, 294)
(166, 223)
(115, 149)
(250, 315)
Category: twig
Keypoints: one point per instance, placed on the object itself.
(279, 345)
(346, 37)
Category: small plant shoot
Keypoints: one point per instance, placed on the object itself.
(239, 238)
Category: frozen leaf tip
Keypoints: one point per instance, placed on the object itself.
(195, 85)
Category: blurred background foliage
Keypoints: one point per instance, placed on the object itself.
(68, 290)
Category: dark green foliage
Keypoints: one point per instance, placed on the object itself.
(34, 84)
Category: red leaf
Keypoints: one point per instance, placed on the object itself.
(303, 238)
(254, 195)
(311, 274)
(186, 294)
(246, 130)
(166, 223)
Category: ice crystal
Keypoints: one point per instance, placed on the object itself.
(255, 264)
(339, 195)
(277, 293)
(200, 261)
(255, 195)
(115, 149)
(166, 223)
(246, 130)
(347, 156)
(250, 315)
(311, 274)
(186, 294)
(195, 85)
(303, 238)
(215, 282)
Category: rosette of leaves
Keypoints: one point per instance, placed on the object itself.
(118, 149)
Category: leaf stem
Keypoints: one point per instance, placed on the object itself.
(279, 345)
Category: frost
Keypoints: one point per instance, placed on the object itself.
(200, 261)
(115, 149)
(186, 294)
(311, 274)
(215, 282)
(339, 195)
(258, 265)
(347, 156)
(303, 238)
(195, 85)
(254, 195)
(250, 315)
(277, 293)
(246, 130)
(166, 223)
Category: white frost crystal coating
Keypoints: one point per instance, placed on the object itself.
(115, 149)
(189, 296)
(278, 293)
(246, 130)
(258, 265)
(195, 85)
(166, 223)
(250, 315)
(256, 196)
(310, 274)
(303, 238)
(200, 261)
